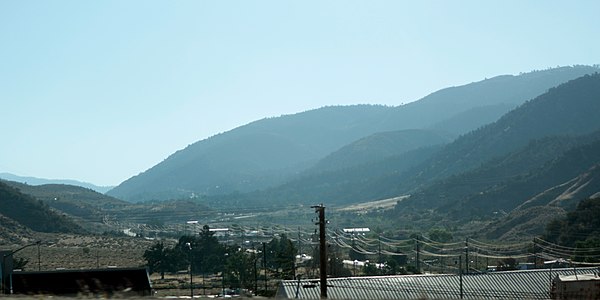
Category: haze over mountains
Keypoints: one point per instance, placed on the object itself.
(504, 155)
(40, 181)
(544, 154)
(60, 208)
(274, 151)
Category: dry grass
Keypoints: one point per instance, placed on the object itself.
(374, 205)
(64, 251)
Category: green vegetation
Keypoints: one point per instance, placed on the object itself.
(272, 151)
(378, 147)
(500, 181)
(580, 227)
(239, 268)
(162, 259)
(96, 212)
(528, 167)
(33, 213)
(203, 253)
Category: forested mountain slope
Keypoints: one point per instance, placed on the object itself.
(271, 151)
(98, 213)
(533, 215)
(569, 109)
(508, 181)
(379, 146)
(551, 163)
(491, 97)
(87, 205)
(579, 228)
(336, 187)
(33, 213)
(487, 160)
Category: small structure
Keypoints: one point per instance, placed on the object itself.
(219, 232)
(585, 286)
(356, 231)
(99, 282)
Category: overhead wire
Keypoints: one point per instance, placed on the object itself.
(382, 245)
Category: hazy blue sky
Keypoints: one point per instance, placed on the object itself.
(100, 91)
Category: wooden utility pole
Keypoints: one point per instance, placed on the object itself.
(467, 255)
(418, 260)
(460, 274)
(265, 264)
(320, 209)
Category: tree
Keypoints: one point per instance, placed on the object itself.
(160, 259)
(393, 264)
(507, 264)
(336, 263)
(356, 255)
(20, 263)
(440, 235)
(204, 251)
(281, 256)
(370, 269)
(578, 226)
(239, 268)
(587, 251)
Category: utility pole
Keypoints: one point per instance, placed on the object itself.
(418, 260)
(320, 209)
(299, 242)
(380, 263)
(39, 258)
(467, 255)
(265, 263)
(535, 255)
(255, 276)
(460, 274)
(189, 245)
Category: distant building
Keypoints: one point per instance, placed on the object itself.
(355, 231)
(220, 232)
(585, 286)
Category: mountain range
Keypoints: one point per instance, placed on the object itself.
(275, 151)
(545, 142)
(40, 181)
(53, 208)
(500, 157)
(21, 213)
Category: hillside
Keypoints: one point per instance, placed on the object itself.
(87, 207)
(33, 213)
(505, 183)
(570, 109)
(271, 151)
(491, 97)
(253, 156)
(579, 228)
(532, 217)
(98, 213)
(549, 174)
(68, 193)
(377, 147)
(499, 150)
(336, 187)
(13, 232)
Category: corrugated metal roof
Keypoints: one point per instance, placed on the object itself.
(529, 284)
